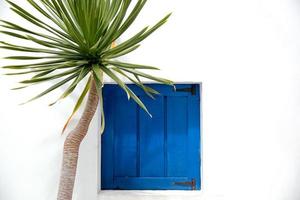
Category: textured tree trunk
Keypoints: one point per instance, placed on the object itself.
(72, 144)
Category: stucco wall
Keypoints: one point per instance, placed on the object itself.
(246, 54)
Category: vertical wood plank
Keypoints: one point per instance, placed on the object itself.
(152, 138)
(107, 155)
(125, 137)
(194, 138)
(177, 130)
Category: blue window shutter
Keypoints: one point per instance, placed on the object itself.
(151, 136)
(158, 153)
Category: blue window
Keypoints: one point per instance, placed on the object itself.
(158, 153)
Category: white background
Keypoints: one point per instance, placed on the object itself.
(246, 53)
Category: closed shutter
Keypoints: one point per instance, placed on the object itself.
(158, 153)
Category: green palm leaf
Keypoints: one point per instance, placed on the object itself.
(73, 41)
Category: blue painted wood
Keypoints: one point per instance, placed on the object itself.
(194, 137)
(165, 90)
(107, 152)
(125, 137)
(139, 152)
(152, 138)
(177, 131)
(150, 183)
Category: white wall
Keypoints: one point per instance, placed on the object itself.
(246, 54)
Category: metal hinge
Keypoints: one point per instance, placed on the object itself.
(187, 183)
(191, 89)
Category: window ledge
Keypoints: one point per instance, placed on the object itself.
(148, 195)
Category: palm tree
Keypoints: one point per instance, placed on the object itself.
(72, 43)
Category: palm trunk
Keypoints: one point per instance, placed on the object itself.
(72, 144)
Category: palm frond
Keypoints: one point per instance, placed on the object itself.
(72, 40)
